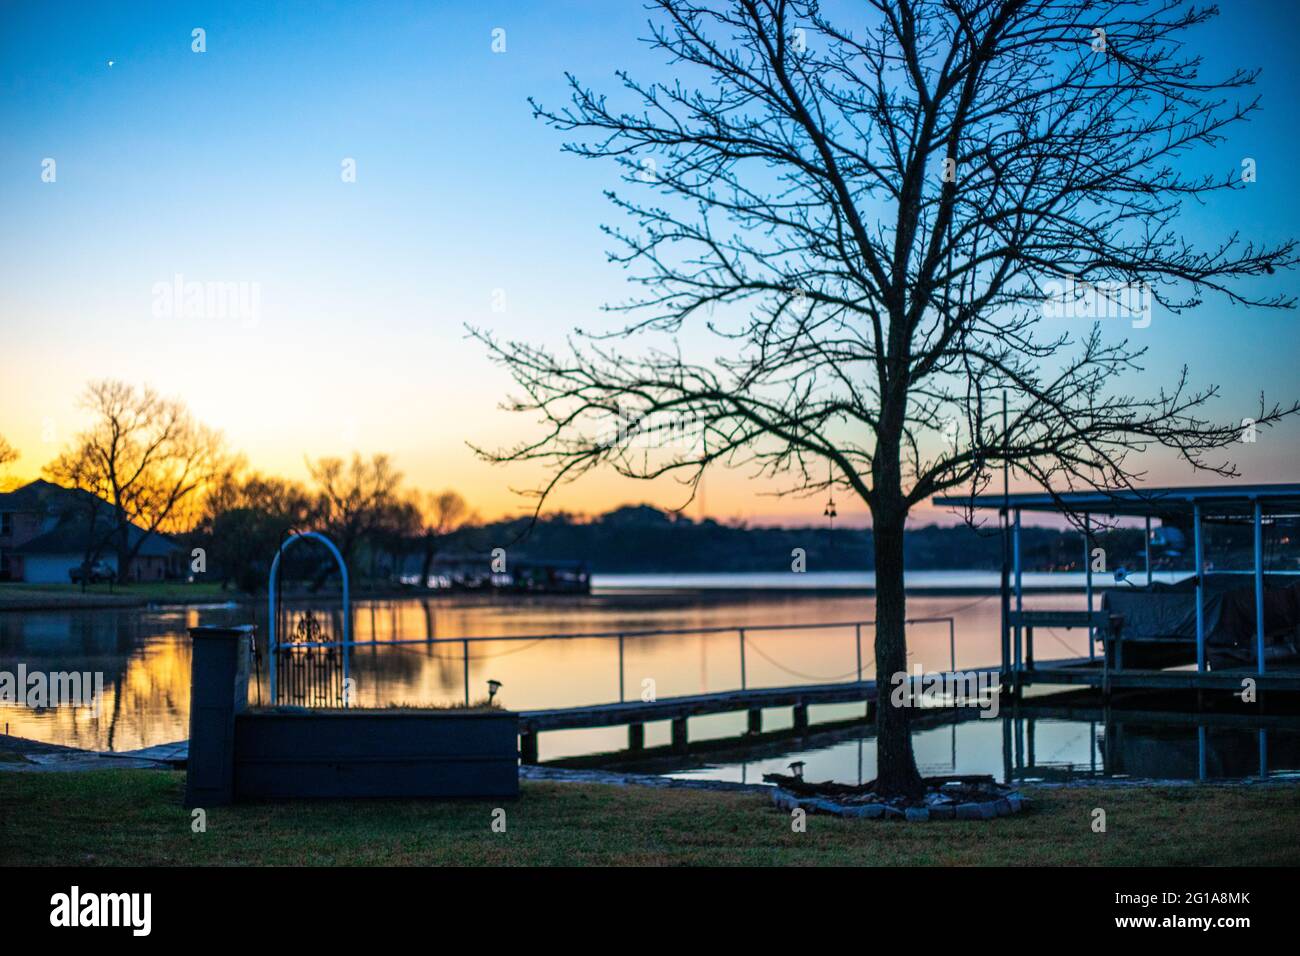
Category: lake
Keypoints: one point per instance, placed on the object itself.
(144, 655)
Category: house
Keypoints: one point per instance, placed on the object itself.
(46, 532)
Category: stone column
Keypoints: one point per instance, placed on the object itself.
(218, 690)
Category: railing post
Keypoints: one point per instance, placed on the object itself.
(742, 658)
(620, 668)
(466, 646)
(857, 637)
(952, 645)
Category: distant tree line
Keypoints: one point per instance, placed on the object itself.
(361, 505)
(643, 539)
(146, 462)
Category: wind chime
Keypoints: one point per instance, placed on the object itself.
(830, 511)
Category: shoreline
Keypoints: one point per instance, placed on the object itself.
(37, 600)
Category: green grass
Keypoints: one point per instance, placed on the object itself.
(127, 817)
(19, 595)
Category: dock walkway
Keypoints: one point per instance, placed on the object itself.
(636, 714)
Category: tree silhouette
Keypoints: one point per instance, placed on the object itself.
(878, 223)
(143, 454)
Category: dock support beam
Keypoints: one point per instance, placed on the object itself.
(801, 717)
(756, 721)
(1198, 546)
(528, 747)
(1015, 568)
(1087, 570)
(1259, 586)
(679, 735)
(636, 736)
(1147, 552)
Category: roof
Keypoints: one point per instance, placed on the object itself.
(42, 496)
(70, 508)
(1220, 501)
(70, 538)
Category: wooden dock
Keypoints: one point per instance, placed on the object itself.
(1094, 673)
(1080, 671)
(636, 714)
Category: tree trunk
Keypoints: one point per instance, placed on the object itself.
(896, 772)
(123, 546)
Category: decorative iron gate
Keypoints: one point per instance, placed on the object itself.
(316, 671)
(310, 666)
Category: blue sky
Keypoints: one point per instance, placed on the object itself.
(226, 166)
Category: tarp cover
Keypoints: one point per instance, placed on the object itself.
(1167, 612)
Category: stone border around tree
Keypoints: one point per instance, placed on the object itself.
(1004, 806)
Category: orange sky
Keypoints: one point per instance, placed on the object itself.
(422, 418)
(464, 209)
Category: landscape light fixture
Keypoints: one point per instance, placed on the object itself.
(493, 687)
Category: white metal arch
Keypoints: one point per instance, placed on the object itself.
(347, 608)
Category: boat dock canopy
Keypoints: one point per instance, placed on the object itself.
(1215, 501)
(1168, 625)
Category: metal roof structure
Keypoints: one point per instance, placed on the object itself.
(1214, 501)
(1224, 502)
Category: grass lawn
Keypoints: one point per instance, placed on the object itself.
(127, 817)
(21, 596)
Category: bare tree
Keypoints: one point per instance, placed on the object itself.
(143, 454)
(8, 455)
(444, 513)
(871, 219)
(90, 513)
(244, 520)
(355, 497)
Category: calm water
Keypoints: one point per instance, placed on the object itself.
(1040, 750)
(144, 657)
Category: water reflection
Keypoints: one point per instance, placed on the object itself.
(1033, 749)
(144, 656)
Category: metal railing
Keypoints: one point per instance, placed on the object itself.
(622, 636)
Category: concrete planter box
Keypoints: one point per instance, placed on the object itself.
(241, 754)
(360, 753)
